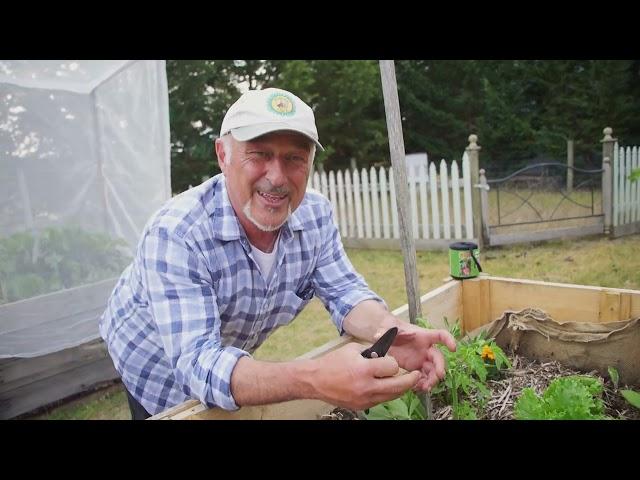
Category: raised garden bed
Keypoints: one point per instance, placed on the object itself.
(32, 382)
(477, 303)
(504, 392)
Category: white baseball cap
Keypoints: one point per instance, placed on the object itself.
(258, 112)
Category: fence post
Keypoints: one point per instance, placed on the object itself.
(484, 200)
(569, 166)
(473, 150)
(608, 143)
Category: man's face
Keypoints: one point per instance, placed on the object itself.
(266, 177)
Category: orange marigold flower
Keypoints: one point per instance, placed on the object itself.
(488, 353)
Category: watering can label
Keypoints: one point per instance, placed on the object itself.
(464, 260)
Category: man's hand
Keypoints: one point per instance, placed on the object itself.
(414, 349)
(346, 379)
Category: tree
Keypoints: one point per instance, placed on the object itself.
(200, 93)
(346, 97)
(440, 101)
(520, 109)
(575, 99)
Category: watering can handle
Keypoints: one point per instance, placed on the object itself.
(475, 260)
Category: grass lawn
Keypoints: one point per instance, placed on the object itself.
(600, 262)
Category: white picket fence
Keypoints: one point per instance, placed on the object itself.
(364, 202)
(626, 194)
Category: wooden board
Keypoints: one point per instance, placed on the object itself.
(37, 394)
(628, 229)
(547, 234)
(15, 372)
(564, 302)
(293, 410)
(476, 303)
(444, 301)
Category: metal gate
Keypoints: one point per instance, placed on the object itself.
(542, 202)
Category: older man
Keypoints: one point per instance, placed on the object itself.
(221, 266)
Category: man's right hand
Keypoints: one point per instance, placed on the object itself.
(346, 379)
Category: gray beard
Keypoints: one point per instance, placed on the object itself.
(265, 228)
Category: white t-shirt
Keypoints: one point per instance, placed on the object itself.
(265, 260)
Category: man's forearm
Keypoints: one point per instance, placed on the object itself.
(255, 382)
(367, 318)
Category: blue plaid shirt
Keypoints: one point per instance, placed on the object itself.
(193, 301)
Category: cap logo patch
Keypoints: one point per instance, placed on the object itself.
(281, 104)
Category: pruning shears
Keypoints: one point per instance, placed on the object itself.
(382, 345)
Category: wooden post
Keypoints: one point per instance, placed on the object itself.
(606, 194)
(396, 148)
(484, 201)
(608, 143)
(569, 166)
(473, 150)
(97, 148)
(28, 212)
(399, 164)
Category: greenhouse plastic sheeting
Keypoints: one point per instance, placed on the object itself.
(84, 162)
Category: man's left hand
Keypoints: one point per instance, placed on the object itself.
(415, 349)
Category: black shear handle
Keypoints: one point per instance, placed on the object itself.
(382, 345)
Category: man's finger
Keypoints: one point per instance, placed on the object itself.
(421, 386)
(437, 359)
(383, 366)
(445, 338)
(392, 387)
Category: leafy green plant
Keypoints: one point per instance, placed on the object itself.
(574, 397)
(632, 397)
(58, 258)
(407, 407)
(615, 377)
(634, 176)
(467, 370)
(475, 361)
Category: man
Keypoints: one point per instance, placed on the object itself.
(224, 264)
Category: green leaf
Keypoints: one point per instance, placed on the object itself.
(632, 397)
(529, 406)
(465, 411)
(379, 412)
(398, 409)
(421, 322)
(454, 329)
(392, 410)
(569, 398)
(613, 375)
(416, 409)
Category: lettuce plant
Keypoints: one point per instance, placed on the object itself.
(574, 397)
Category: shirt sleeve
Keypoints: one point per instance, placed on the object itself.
(183, 302)
(337, 284)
